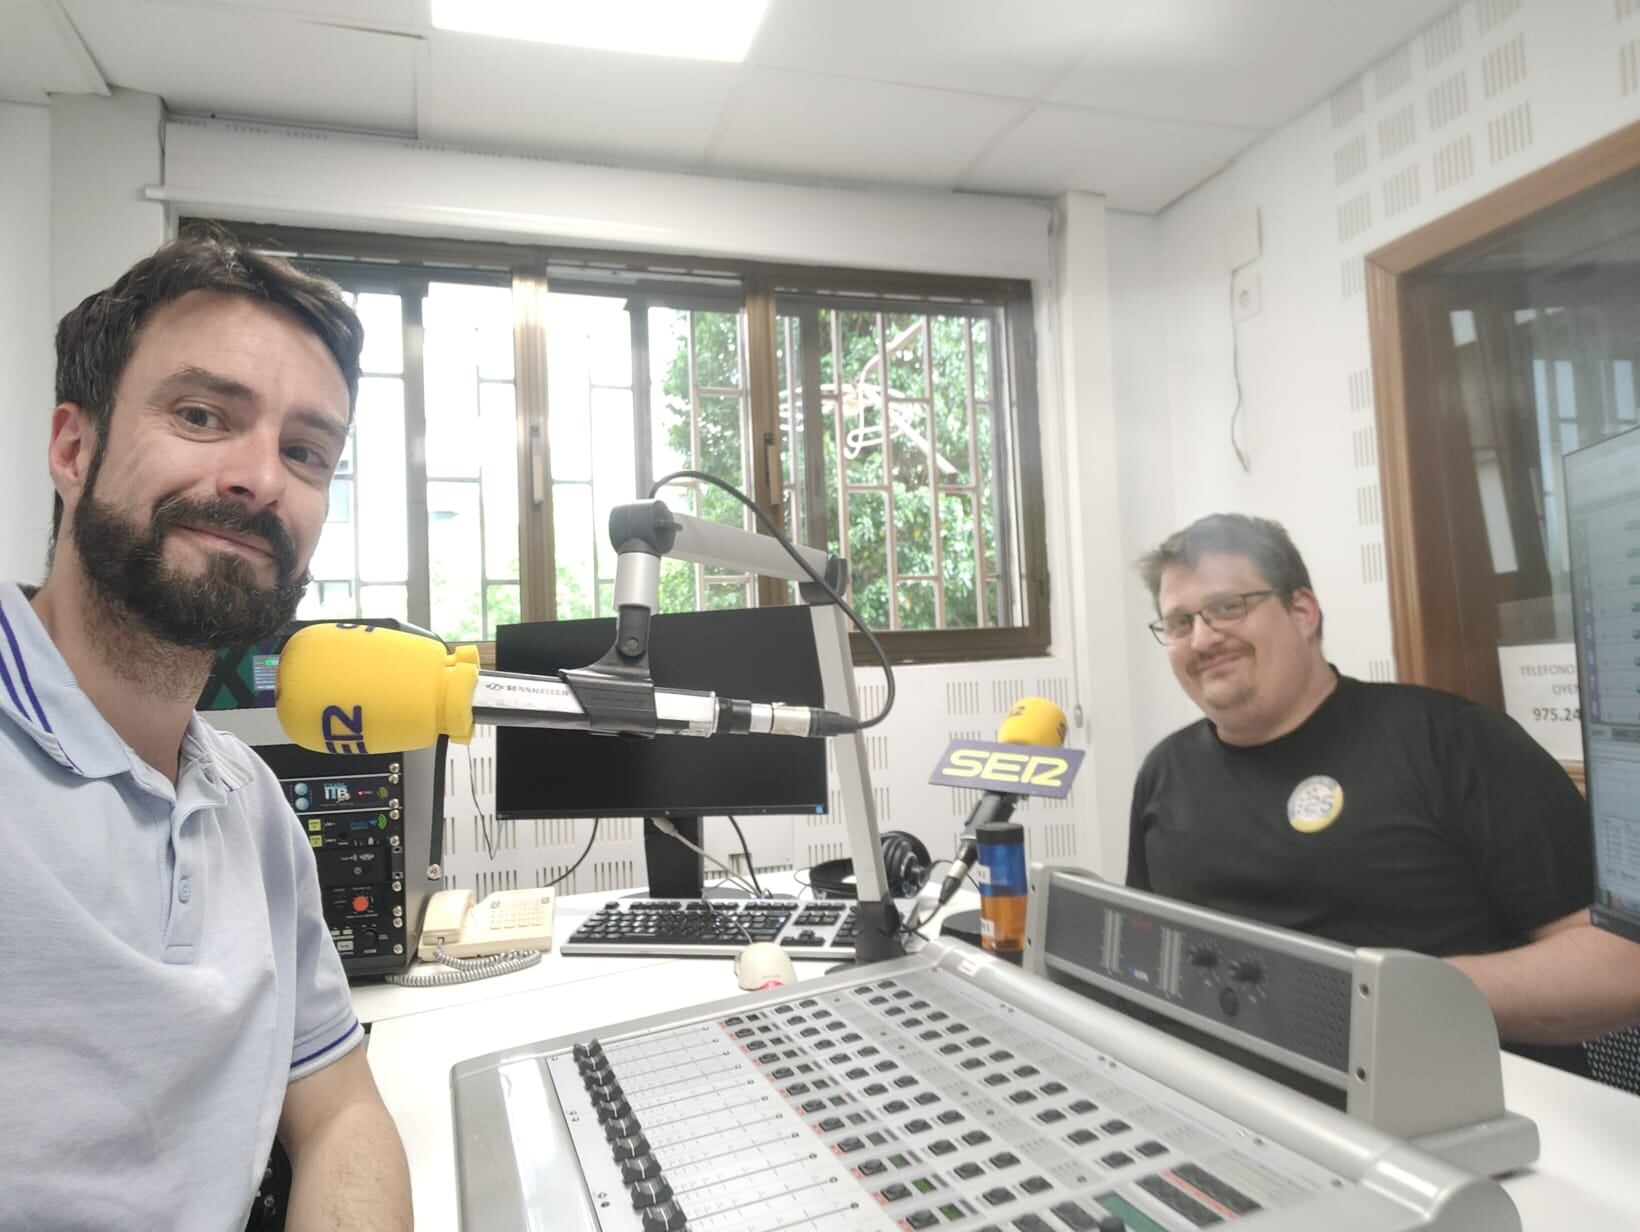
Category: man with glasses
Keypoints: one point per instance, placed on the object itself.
(1372, 814)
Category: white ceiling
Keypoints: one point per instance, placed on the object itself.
(1139, 100)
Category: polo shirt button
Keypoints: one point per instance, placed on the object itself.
(183, 891)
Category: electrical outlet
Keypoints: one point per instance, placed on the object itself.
(1246, 295)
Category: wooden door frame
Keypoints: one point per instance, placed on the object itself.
(1423, 567)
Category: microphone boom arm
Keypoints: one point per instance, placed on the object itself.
(618, 692)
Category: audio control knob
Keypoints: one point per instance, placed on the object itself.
(1203, 956)
(635, 1147)
(650, 1193)
(667, 1217)
(611, 1110)
(640, 1168)
(586, 1051)
(1246, 971)
(604, 1092)
(621, 1127)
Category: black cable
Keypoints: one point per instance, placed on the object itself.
(747, 852)
(1235, 369)
(768, 524)
(732, 916)
(911, 926)
(581, 859)
(483, 826)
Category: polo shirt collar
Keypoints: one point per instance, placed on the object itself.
(39, 693)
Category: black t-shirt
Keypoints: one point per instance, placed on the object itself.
(1395, 816)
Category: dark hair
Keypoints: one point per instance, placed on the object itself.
(1260, 540)
(95, 339)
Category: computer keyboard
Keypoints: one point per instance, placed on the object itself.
(713, 927)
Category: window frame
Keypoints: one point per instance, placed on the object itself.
(653, 277)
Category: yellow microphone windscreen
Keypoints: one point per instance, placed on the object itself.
(351, 688)
(1033, 720)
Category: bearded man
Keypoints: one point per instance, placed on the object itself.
(172, 995)
(1371, 814)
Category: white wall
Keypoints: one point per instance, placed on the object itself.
(1147, 454)
(73, 217)
(105, 152)
(26, 324)
(1490, 92)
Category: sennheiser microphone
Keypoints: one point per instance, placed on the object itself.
(1031, 720)
(350, 688)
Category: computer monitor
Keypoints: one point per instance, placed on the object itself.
(1603, 524)
(756, 654)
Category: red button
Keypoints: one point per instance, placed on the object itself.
(361, 903)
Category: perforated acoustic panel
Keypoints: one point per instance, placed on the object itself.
(1490, 91)
(934, 704)
(1615, 1059)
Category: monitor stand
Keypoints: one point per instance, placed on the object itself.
(673, 870)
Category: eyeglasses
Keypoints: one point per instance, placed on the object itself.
(1218, 613)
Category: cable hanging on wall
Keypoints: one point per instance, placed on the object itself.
(1235, 368)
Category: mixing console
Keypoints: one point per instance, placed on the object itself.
(943, 1091)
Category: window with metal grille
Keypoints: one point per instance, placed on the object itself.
(514, 395)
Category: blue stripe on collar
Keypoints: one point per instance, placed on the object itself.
(22, 668)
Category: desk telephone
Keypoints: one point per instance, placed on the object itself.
(506, 920)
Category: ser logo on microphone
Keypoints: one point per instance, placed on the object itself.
(1010, 768)
(343, 729)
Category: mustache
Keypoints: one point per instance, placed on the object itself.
(1201, 663)
(228, 515)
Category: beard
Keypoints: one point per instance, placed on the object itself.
(225, 607)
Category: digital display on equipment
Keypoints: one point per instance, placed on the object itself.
(754, 654)
(1603, 525)
(244, 679)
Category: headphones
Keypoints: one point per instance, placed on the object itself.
(905, 859)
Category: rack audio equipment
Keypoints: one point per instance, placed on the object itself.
(363, 814)
(949, 1089)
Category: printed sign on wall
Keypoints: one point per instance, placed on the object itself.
(1540, 693)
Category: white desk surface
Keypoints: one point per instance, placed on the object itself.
(1587, 1178)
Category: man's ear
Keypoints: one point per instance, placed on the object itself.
(73, 444)
(1307, 608)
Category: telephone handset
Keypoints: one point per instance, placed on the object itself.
(506, 920)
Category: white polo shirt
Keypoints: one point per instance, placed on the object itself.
(165, 967)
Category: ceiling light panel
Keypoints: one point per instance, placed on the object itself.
(684, 29)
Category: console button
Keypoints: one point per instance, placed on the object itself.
(1078, 1218)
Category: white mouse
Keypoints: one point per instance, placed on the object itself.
(763, 964)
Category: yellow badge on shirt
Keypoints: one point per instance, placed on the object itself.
(1315, 804)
